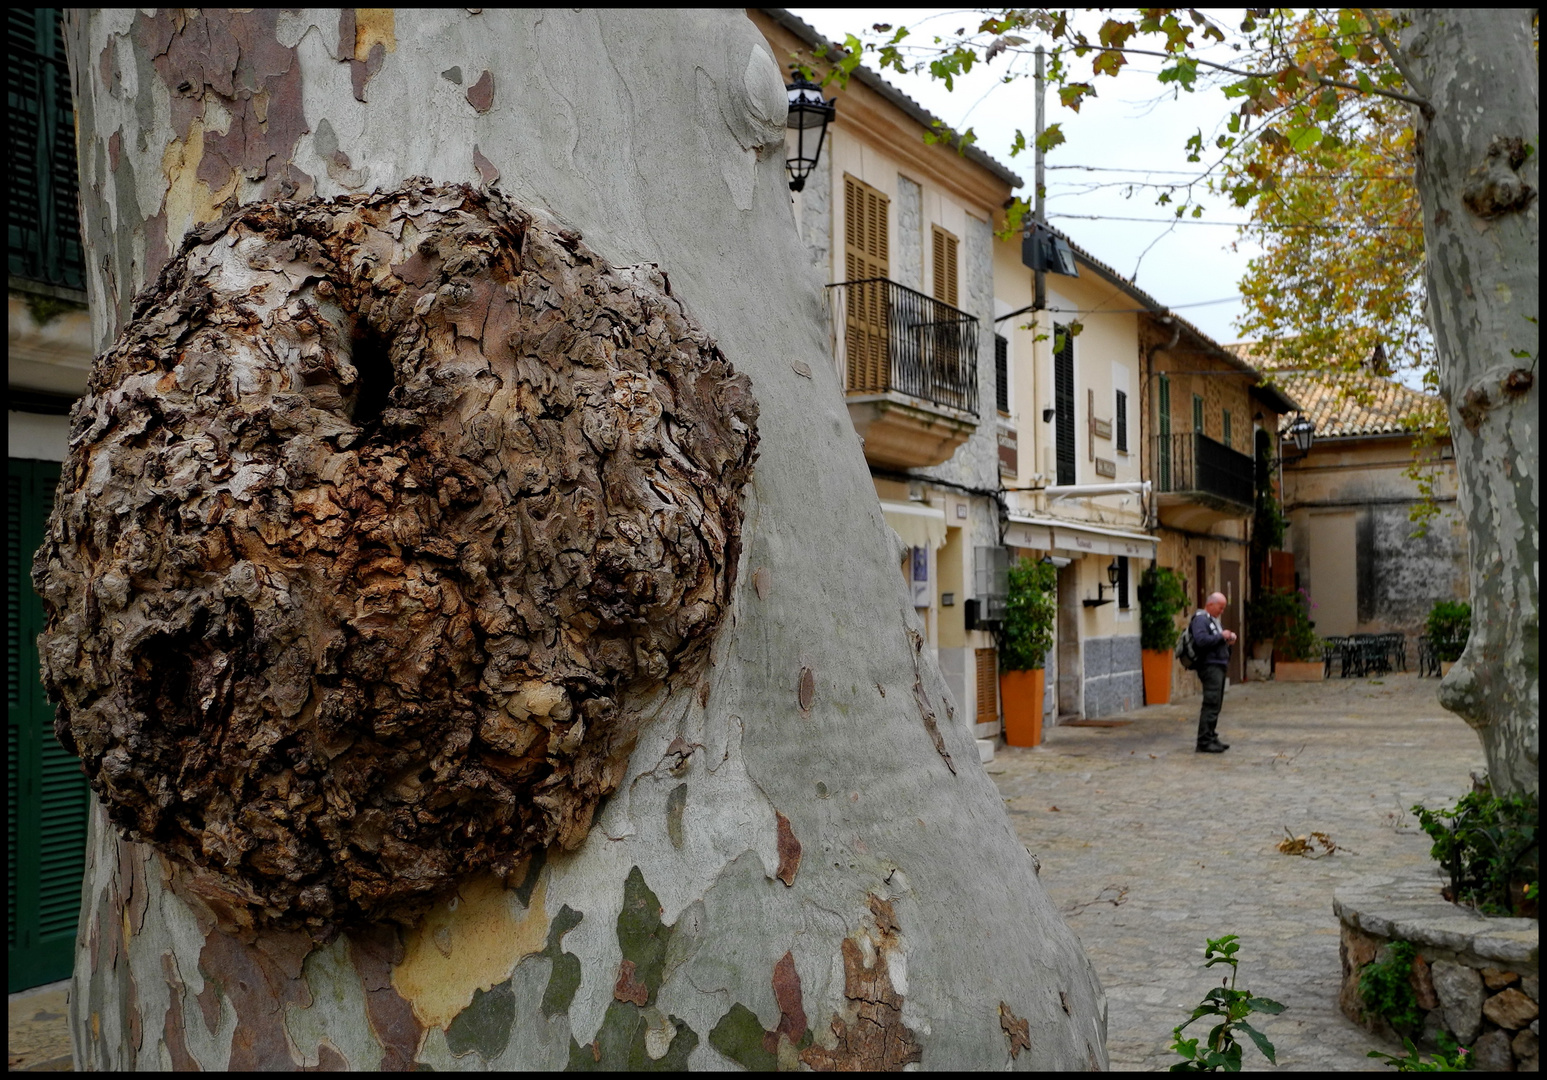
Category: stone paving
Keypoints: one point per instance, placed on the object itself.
(1152, 848)
(38, 1038)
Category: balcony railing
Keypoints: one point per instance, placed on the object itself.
(1192, 462)
(892, 339)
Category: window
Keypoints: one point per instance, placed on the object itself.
(1225, 418)
(1002, 373)
(1199, 587)
(1122, 422)
(1197, 413)
(988, 685)
(945, 266)
(1122, 582)
(1163, 422)
(865, 258)
(43, 230)
(1063, 402)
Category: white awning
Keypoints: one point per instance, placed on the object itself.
(1078, 539)
(919, 524)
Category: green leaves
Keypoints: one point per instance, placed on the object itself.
(1231, 1006)
(1030, 611)
(1052, 135)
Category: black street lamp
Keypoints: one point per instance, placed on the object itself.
(1303, 432)
(809, 116)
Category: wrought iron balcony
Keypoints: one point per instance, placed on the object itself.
(1198, 479)
(893, 339)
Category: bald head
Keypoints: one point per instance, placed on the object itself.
(1215, 604)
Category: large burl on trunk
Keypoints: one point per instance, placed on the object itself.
(382, 517)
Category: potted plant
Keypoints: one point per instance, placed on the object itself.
(1161, 600)
(1026, 636)
(1448, 626)
(1297, 649)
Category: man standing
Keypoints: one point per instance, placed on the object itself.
(1211, 642)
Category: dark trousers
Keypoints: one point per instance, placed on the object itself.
(1213, 678)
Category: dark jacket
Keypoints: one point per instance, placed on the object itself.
(1208, 639)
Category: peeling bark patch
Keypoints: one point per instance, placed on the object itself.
(374, 952)
(173, 1033)
(481, 94)
(792, 1010)
(378, 517)
(487, 173)
(805, 692)
(564, 975)
(484, 1026)
(676, 803)
(259, 974)
(762, 581)
(739, 1035)
(871, 1034)
(634, 1034)
(452, 75)
(628, 988)
(1016, 1028)
(789, 851)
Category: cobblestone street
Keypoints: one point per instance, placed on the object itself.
(1149, 848)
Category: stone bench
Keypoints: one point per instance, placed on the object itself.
(1475, 976)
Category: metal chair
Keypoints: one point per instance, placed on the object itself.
(1428, 657)
(1395, 646)
(1335, 648)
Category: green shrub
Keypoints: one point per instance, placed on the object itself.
(1161, 600)
(1029, 613)
(1221, 1048)
(1282, 615)
(1485, 843)
(1448, 625)
(1386, 988)
(1449, 1057)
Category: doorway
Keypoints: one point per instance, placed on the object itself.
(1070, 675)
(1230, 585)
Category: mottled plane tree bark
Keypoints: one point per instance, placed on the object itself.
(1478, 177)
(467, 594)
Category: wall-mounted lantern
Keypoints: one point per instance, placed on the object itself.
(809, 116)
(1303, 432)
(1113, 573)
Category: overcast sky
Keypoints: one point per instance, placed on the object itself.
(1131, 125)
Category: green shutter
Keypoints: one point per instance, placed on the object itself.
(43, 229)
(47, 798)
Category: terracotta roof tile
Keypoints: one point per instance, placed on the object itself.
(1345, 404)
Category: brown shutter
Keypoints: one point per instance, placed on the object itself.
(988, 685)
(866, 257)
(945, 267)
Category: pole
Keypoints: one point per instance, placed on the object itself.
(1039, 215)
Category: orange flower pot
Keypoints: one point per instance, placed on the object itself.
(1020, 696)
(1157, 676)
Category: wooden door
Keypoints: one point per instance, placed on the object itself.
(866, 259)
(1230, 585)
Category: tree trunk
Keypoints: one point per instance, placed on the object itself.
(1477, 176)
(363, 803)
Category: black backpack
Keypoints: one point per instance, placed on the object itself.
(1186, 652)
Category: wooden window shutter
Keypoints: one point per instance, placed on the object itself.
(47, 798)
(1122, 421)
(866, 258)
(1002, 373)
(945, 267)
(988, 685)
(1063, 403)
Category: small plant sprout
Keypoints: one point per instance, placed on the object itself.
(1231, 1007)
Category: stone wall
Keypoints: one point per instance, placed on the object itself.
(1114, 676)
(1475, 978)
